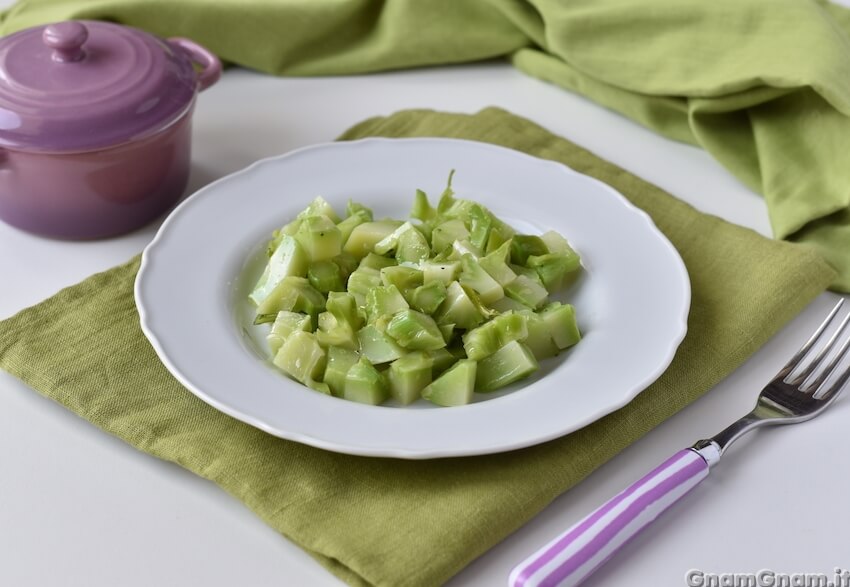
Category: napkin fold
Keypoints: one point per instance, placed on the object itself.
(762, 85)
(390, 522)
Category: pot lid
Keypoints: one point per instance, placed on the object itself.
(83, 85)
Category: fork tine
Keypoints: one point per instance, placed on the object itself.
(817, 383)
(804, 350)
(842, 379)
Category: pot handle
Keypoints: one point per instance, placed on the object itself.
(210, 64)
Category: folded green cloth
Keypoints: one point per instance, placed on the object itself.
(401, 523)
(763, 85)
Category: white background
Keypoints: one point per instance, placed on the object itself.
(78, 507)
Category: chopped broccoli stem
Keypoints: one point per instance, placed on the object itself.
(409, 375)
(377, 346)
(510, 363)
(427, 298)
(339, 361)
(454, 387)
(384, 301)
(325, 276)
(527, 291)
(458, 308)
(287, 260)
(415, 331)
(301, 357)
(561, 321)
(285, 324)
(365, 236)
(473, 276)
(319, 237)
(364, 384)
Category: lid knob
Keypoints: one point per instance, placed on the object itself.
(66, 39)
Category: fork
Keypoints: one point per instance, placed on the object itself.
(796, 394)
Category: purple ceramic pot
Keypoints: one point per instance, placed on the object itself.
(95, 126)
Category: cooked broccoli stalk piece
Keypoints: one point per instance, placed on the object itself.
(409, 375)
(339, 361)
(285, 324)
(510, 363)
(527, 291)
(454, 387)
(364, 384)
(473, 276)
(415, 331)
(287, 260)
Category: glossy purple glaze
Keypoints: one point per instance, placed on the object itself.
(98, 193)
(95, 126)
(126, 84)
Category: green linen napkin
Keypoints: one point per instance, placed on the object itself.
(762, 85)
(389, 522)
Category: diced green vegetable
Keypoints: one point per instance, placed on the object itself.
(442, 359)
(364, 384)
(427, 298)
(463, 247)
(422, 209)
(409, 375)
(355, 208)
(347, 226)
(510, 363)
(376, 261)
(294, 294)
(445, 234)
(458, 308)
(448, 332)
(344, 307)
(339, 361)
(496, 264)
(527, 292)
(415, 331)
(325, 276)
(365, 236)
(507, 304)
(555, 243)
(334, 332)
(384, 301)
(539, 339)
(319, 207)
(407, 242)
(285, 324)
(454, 387)
(377, 346)
(556, 270)
(287, 260)
(301, 357)
(347, 264)
(404, 278)
(445, 272)
(362, 281)
(561, 321)
(480, 223)
(319, 237)
(499, 235)
(493, 335)
(319, 386)
(525, 245)
(473, 276)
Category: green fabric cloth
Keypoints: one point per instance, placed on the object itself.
(762, 85)
(390, 522)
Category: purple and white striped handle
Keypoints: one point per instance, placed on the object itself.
(573, 556)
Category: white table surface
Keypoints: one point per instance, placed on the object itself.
(79, 507)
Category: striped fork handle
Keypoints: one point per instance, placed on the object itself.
(573, 556)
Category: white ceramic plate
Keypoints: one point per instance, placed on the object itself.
(632, 302)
